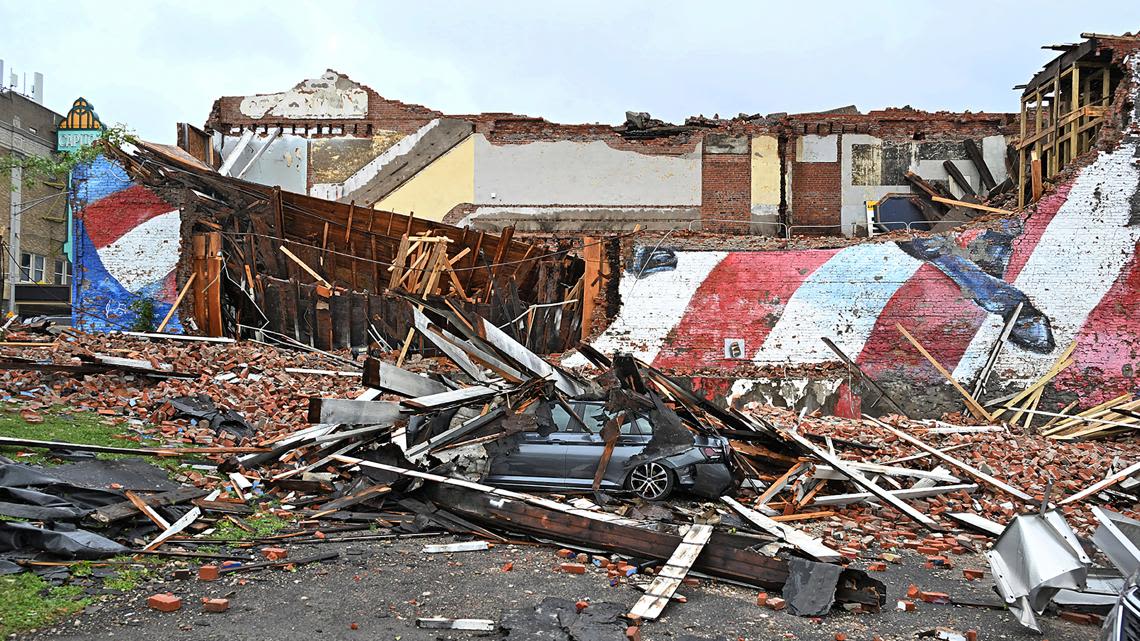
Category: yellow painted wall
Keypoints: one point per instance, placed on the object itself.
(765, 172)
(437, 188)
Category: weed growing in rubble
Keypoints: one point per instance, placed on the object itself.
(263, 524)
(27, 601)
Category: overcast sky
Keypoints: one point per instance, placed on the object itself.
(151, 64)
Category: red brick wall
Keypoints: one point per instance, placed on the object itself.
(816, 197)
(726, 192)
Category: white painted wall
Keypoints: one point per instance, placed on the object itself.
(582, 173)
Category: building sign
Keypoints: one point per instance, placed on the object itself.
(80, 127)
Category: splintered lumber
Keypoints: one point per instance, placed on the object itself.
(1094, 411)
(180, 524)
(854, 368)
(462, 396)
(1099, 486)
(811, 546)
(650, 605)
(965, 467)
(529, 360)
(971, 403)
(864, 482)
(728, 556)
(1058, 366)
(127, 509)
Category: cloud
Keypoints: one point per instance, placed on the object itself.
(152, 64)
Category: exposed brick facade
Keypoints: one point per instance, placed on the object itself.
(726, 181)
(816, 197)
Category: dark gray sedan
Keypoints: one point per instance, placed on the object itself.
(567, 458)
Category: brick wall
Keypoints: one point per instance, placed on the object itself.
(726, 192)
(816, 196)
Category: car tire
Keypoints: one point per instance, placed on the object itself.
(651, 481)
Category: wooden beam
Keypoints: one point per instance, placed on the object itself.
(979, 160)
(177, 302)
(971, 403)
(958, 177)
(650, 605)
(309, 270)
(962, 203)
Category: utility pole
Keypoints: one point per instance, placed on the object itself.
(14, 235)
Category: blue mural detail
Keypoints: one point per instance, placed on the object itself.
(979, 270)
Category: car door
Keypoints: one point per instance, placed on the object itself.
(538, 460)
(584, 447)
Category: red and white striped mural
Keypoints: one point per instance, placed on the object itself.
(1071, 262)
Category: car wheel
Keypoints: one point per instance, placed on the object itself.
(651, 481)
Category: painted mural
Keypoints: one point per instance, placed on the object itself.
(126, 244)
(1070, 264)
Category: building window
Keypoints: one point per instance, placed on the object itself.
(62, 271)
(32, 268)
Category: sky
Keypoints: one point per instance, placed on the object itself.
(152, 64)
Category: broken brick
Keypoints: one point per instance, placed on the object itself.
(877, 566)
(215, 605)
(573, 568)
(274, 554)
(633, 633)
(208, 573)
(163, 602)
(905, 605)
(972, 574)
(935, 597)
(761, 599)
(776, 603)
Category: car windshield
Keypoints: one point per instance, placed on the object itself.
(595, 417)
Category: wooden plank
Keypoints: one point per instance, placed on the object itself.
(862, 481)
(147, 510)
(908, 493)
(128, 509)
(1037, 179)
(180, 524)
(440, 623)
(396, 380)
(177, 302)
(309, 270)
(650, 605)
(978, 206)
(965, 467)
(811, 546)
(971, 403)
(958, 178)
(353, 412)
(1062, 362)
(980, 385)
(452, 397)
(1099, 486)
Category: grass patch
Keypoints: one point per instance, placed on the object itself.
(59, 424)
(263, 524)
(27, 601)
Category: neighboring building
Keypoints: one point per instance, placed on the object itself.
(778, 175)
(33, 210)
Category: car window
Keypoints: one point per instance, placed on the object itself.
(562, 419)
(594, 416)
(638, 427)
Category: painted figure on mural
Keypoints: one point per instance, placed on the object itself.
(979, 269)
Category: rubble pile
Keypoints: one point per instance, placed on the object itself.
(474, 442)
